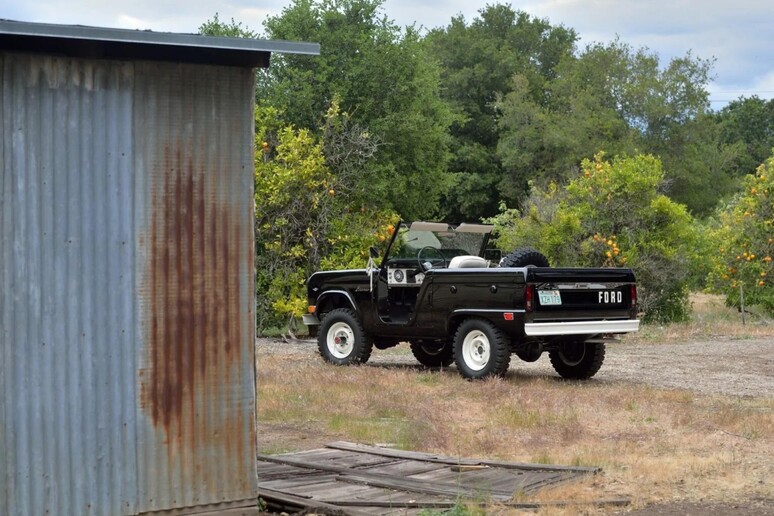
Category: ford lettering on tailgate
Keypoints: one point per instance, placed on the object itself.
(610, 297)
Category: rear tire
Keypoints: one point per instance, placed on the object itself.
(481, 349)
(432, 353)
(578, 360)
(342, 340)
(524, 257)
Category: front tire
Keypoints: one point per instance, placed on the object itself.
(578, 360)
(481, 349)
(433, 353)
(342, 340)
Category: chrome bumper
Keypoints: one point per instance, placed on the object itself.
(310, 320)
(581, 327)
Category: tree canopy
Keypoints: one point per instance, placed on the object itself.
(382, 76)
(478, 63)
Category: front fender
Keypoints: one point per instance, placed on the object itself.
(330, 297)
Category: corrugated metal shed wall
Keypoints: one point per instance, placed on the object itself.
(126, 286)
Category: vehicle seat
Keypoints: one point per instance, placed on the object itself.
(467, 262)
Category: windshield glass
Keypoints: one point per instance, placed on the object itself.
(450, 241)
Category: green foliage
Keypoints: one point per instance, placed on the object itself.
(384, 79)
(234, 29)
(616, 100)
(613, 215)
(302, 221)
(478, 62)
(745, 240)
(748, 122)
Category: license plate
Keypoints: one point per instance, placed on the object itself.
(549, 297)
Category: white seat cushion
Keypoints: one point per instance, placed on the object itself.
(468, 261)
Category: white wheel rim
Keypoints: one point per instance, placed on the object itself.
(476, 350)
(340, 340)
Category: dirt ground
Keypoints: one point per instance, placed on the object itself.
(735, 367)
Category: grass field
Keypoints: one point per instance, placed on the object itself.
(653, 444)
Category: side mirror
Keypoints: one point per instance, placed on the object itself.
(374, 252)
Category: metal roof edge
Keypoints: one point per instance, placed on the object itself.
(147, 37)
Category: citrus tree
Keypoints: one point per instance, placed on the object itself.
(745, 243)
(304, 219)
(613, 215)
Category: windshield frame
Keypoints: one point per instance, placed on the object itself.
(440, 236)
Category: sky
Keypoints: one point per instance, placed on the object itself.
(738, 34)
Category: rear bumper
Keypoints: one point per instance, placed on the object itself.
(581, 327)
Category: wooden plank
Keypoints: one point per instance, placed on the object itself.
(614, 502)
(379, 481)
(462, 468)
(389, 481)
(288, 500)
(388, 452)
(441, 481)
(406, 468)
(419, 486)
(402, 454)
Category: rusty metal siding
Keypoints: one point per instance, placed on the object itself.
(195, 288)
(126, 309)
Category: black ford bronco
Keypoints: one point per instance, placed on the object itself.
(434, 289)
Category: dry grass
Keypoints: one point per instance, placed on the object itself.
(653, 444)
(711, 319)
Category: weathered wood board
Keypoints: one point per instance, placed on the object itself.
(353, 479)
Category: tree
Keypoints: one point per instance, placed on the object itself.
(612, 215)
(618, 100)
(234, 29)
(383, 78)
(478, 61)
(745, 240)
(748, 122)
(302, 221)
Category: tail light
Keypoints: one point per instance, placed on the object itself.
(529, 298)
(633, 295)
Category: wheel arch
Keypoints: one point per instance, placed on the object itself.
(332, 299)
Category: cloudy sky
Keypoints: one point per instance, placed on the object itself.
(739, 34)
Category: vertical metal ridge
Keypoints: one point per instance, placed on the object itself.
(5, 345)
(126, 286)
(62, 330)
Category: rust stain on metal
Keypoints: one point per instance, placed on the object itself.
(195, 242)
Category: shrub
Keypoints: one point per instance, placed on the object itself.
(613, 215)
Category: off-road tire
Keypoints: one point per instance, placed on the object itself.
(578, 360)
(480, 349)
(354, 346)
(431, 353)
(524, 257)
